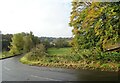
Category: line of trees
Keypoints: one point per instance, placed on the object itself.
(23, 42)
(6, 39)
(56, 42)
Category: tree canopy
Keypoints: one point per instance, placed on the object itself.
(95, 25)
(23, 42)
(6, 39)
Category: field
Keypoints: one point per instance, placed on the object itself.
(59, 51)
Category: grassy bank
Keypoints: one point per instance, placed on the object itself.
(63, 58)
(5, 54)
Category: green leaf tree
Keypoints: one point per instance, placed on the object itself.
(17, 44)
(28, 43)
(23, 42)
(95, 25)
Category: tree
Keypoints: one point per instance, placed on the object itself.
(28, 43)
(34, 39)
(17, 44)
(46, 43)
(23, 42)
(61, 42)
(6, 39)
(96, 25)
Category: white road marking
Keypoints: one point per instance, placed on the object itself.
(45, 78)
(7, 68)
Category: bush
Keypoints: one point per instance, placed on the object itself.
(37, 52)
(96, 54)
(111, 56)
(76, 58)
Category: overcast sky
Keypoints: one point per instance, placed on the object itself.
(43, 17)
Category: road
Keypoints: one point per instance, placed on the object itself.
(13, 70)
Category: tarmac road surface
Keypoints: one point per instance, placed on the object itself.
(13, 70)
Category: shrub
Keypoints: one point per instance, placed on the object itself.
(96, 54)
(111, 56)
(37, 52)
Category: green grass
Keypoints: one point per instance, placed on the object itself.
(58, 51)
(5, 54)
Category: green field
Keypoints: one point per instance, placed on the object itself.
(58, 51)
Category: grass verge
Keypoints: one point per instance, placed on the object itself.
(63, 58)
(5, 54)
